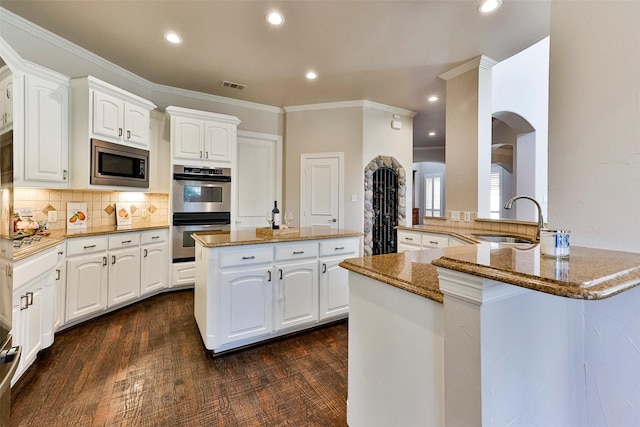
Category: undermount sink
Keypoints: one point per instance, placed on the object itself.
(503, 238)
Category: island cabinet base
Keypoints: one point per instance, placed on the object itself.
(250, 293)
(395, 340)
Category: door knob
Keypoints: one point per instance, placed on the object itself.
(333, 220)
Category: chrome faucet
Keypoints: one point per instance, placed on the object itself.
(509, 204)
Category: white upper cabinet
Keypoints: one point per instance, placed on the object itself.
(46, 155)
(200, 138)
(120, 121)
(6, 99)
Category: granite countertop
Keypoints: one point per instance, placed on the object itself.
(57, 236)
(470, 235)
(256, 236)
(588, 273)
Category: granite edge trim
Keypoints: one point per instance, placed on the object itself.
(547, 286)
(436, 296)
(273, 239)
(26, 253)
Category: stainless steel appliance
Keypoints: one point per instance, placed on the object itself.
(118, 165)
(201, 202)
(201, 189)
(9, 356)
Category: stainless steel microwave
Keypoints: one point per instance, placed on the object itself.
(118, 165)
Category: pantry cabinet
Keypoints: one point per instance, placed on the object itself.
(200, 138)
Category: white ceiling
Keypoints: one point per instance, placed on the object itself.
(389, 52)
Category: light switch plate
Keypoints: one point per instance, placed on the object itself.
(455, 215)
(467, 216)
(52, 216)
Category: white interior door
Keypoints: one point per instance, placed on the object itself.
(322, 189)
(259, 178)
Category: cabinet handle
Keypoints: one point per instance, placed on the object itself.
(29, 296)
(298, 252)
(90, 247)
(200, 154)
(340, 248)
(324, 268)
(432, 242)
(155, 237)
(206, 154)
(280, 273)
(269, 279)
(119, 131)
(249, 257)
(128, 134)
(145, 253)
(126, 242)
(104, 261)
(113, 259)
(57, 274)
(408, 238)
(238, 222)
(65, 173)
(24, 302)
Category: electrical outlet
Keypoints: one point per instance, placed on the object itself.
(455, 215)
(52, 216)
(467, 216)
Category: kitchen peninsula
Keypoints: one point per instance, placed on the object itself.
(493, 334)
(257, 284)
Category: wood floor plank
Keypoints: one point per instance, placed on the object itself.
(145, 365)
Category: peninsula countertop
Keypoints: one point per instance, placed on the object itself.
(258, 236)
(588, 273)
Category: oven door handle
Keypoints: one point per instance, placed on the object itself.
(199, 223)
(201, 178)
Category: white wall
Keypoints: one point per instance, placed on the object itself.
(594, 126)
(422, 169)
(520, 84)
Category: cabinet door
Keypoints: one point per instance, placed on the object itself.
(296, 294)
(46, 131)
(86, 285)
(136, 124)
(403, 247)
(27, 327)
(153, 268)
(124, 275)
(6, 103)
(334, 289)
(60, 292)
(218, 140)
(188, 138)
(246, 304)
(108, 114)
(257, 186)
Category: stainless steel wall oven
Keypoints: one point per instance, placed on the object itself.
(201, 202)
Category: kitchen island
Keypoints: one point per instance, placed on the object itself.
(254, 285)
(494, 334)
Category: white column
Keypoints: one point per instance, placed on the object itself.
(512, 356)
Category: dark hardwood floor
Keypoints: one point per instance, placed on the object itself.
(145, 365)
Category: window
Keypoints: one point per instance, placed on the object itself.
(432, 195)
(495, 200)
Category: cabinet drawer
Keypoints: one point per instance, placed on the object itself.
(248, 255)
(34, 266)
(429, 241)
(86, 245)
(155, 236)
(409, 238)
(339, 247)
(288, 252)
(119, 241)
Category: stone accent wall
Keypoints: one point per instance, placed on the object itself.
(375, 164)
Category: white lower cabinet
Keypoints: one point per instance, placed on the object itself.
(32, 306)
(86, 285)
(154, 260)
(246, 294)
(124, 276)
(417, 240)
(245, 303)
(60, 287)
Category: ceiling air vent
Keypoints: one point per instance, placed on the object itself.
(232, 85)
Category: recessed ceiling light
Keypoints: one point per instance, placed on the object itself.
(311, 75)
(173, 37)
(275, 18)
(487, 6)
(432, 98)
(432, 134)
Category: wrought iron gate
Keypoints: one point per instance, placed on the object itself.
(385, 211)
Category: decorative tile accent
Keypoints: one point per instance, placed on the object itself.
(47, 209)
(109, 209)
(152, 209)
(133, 209)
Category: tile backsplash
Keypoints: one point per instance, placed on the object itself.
(145, 207)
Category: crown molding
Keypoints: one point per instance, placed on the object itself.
(350, 104)
(64, 44)
(478, 62)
